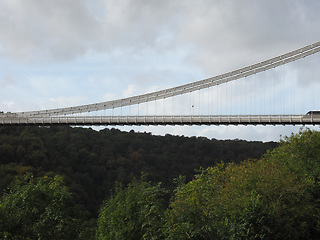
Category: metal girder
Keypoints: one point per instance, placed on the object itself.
(166, 120)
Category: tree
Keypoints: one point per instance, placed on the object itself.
(300, 153)
(38, 209)
(251, 200)
(135, 212)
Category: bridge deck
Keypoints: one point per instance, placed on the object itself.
(166, 120)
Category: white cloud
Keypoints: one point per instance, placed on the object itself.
(8, 79)
(6, 106)
(62, 102)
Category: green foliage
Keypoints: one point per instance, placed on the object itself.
(38, 209)
(135, 212)
(251, 200)
(300, 153)
(276, 197)
(91, 161)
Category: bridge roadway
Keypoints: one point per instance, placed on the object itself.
(165, 120)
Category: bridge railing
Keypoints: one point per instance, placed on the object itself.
(166, 120)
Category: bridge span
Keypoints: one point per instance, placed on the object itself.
(186, 88)
(90, 114)
(165, 120)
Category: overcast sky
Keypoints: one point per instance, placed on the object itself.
(70, 52)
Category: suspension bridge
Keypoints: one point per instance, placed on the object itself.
(249, 95)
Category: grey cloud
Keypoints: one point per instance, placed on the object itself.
(234, 33)
(66, 29)
(41, 29)
(138, 26)
(216, 35)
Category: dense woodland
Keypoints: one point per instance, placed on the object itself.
(91, 162)
(78, 183)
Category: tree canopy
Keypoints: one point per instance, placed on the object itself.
(49, 175)
(38, 209)
(136, 212)
(275, 197)
(92, 161)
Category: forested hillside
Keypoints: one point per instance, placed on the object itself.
(77, 183)
(275, 197)
(91, 162)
